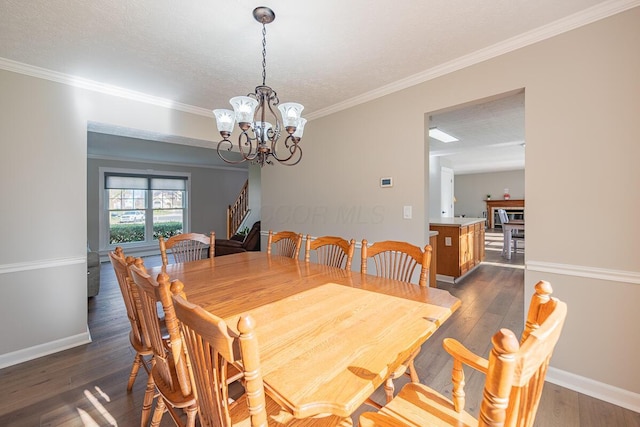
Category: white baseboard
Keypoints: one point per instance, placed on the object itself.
(443, 278)
(598, 390)
(30, 353)
(454, 280)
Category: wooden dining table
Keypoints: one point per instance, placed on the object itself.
(327, 337)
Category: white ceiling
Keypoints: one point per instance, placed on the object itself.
(490, 133)
(327, 55)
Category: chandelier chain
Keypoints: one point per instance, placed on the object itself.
(264, 54)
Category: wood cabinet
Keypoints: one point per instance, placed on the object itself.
(460, 245)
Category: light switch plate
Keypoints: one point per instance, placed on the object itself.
(407, 214)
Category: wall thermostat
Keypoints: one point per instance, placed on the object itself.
(386, 182)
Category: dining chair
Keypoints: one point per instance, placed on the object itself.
(212, 347)
(170, 378)
(187, 247)
(515, 237)
(330, 250)
(514, 376)
(138, 339)
(398, 261)
(285, 243)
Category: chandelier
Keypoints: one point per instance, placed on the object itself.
(261, 130)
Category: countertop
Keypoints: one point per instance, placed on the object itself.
(454, 222)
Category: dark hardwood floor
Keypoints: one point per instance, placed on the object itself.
(86, 385)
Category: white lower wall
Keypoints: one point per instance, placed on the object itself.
(600, 327)
(44, 308)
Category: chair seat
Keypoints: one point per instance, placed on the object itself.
(174, 396)
(418, 405)
(276, 416)
(138, 346)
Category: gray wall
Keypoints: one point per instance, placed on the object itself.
(212, 190)
(471, 190)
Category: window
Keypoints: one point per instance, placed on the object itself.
(142, 207)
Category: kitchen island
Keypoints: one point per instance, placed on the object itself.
(460, 243)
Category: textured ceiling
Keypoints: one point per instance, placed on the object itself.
(322, 54)
(490, 133)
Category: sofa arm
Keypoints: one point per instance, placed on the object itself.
(93, 273)
(227, 247)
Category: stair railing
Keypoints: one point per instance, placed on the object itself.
(237, 212)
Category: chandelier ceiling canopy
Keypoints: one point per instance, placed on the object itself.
(261, 129)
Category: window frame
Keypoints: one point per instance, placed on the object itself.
(103, 206)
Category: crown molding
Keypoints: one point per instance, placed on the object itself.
(123, 158)
(79, 82)
(587, 16)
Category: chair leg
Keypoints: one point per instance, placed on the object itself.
(134, 371)
(158, 412)
(413, 374)
(149, 394)
(192, 412)
(389, 389)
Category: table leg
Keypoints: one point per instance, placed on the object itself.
(506, 247)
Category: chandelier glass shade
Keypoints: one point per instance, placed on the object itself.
(264, 135)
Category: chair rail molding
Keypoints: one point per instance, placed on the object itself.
(583, 271)
(39, 264)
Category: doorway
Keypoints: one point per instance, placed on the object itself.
(446, 192)
(486, 155)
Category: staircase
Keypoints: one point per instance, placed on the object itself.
(238, 212)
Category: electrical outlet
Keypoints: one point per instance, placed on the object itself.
(447, 241)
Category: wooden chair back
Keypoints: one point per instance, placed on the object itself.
(543, 326)
(187, 247)
(514, 376)
(397, 260)
(129, 294)
(138, 338)
(516, 370)
(285, 243)
(330, 250)
(170, 360)
(212, 347)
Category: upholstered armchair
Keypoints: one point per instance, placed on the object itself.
(237, 243)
